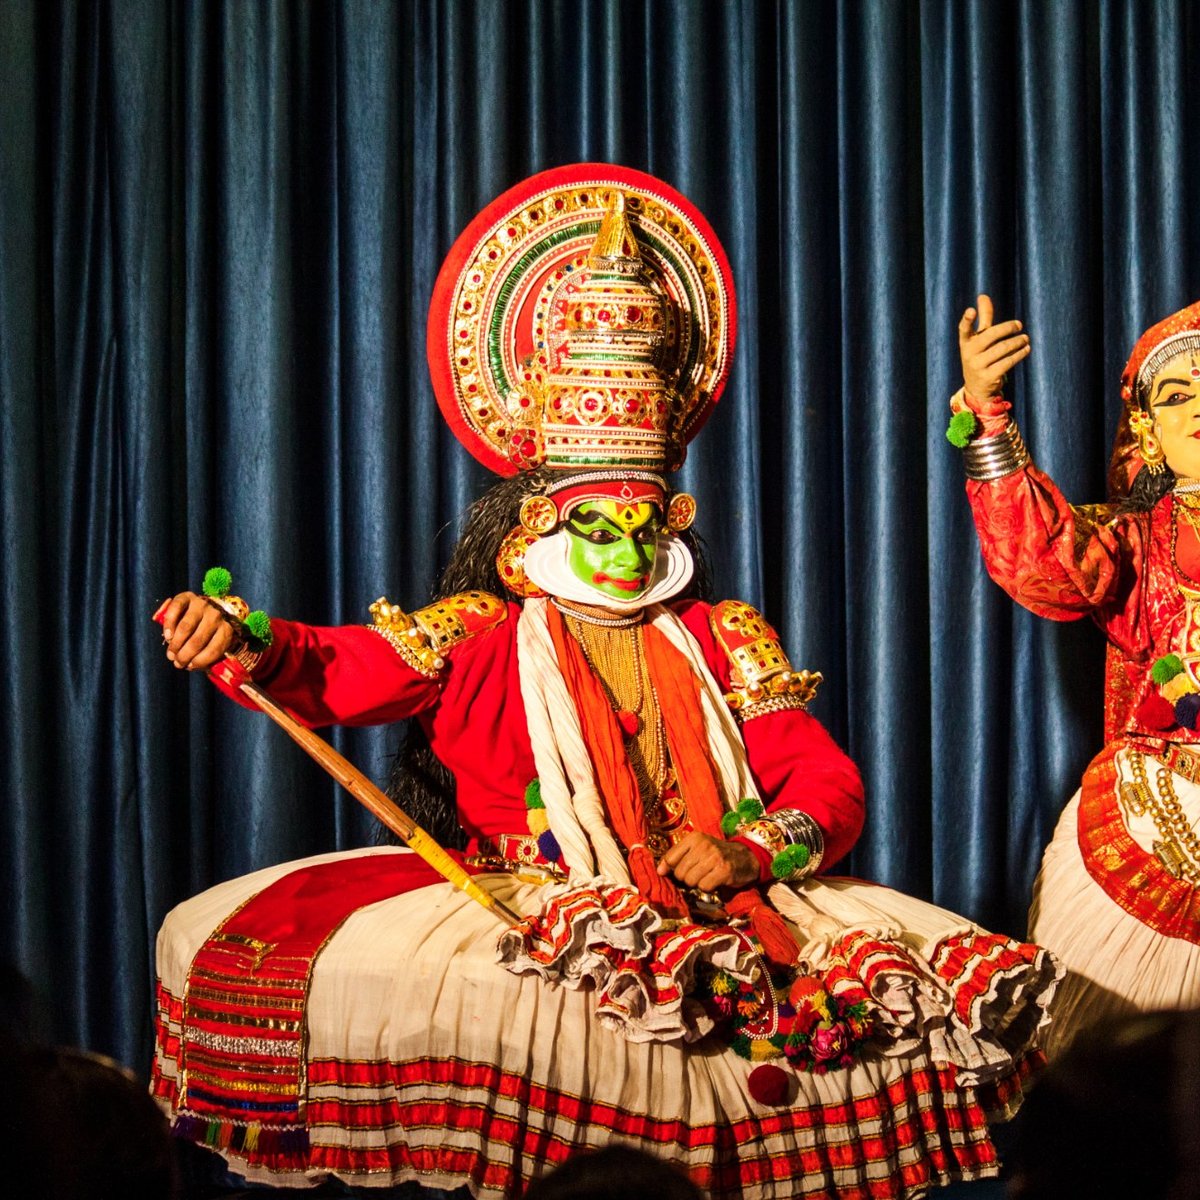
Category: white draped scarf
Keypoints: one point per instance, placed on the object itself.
(574, 807)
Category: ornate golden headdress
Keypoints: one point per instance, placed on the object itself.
(583, 321)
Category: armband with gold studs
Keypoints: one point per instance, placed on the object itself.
(761, 676)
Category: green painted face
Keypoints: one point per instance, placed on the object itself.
(613, 546)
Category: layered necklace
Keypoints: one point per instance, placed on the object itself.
(617, 657)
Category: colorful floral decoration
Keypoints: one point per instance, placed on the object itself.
(746, 810)
(256, 625)
(962, 428)
(781, 1014)
(787, 861)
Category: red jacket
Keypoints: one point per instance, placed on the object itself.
(473, 714)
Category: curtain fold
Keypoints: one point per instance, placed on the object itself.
(220, 225)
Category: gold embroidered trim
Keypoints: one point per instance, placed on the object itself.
(774, 704)
(424, 638)
(405, 650)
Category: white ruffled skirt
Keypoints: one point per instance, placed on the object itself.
(424, 1059)
(1125, 929)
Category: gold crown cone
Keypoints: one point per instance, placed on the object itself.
(607, 400)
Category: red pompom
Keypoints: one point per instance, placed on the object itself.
(769, 1084)
(1156, 713)
(629, 722)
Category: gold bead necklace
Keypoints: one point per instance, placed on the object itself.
(1179, 847)
(617, 658)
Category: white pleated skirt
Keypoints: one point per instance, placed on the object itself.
(1116, 963)
(426, 1060)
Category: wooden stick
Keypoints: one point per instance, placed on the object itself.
(381, 806)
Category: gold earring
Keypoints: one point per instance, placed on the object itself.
(1149, 447)
(681, 512)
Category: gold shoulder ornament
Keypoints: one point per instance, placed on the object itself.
(425, 638)
(762, 678)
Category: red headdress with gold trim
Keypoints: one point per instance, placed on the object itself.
(584, 321)
(1176, 334)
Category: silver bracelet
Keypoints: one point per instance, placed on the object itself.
(801, 829)
(994, 457)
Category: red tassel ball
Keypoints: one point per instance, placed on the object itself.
(769, 1084)
(1156, 713)
(629, 722)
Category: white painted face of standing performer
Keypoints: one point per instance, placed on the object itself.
(1175, 406)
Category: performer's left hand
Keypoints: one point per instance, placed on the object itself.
(708, 863)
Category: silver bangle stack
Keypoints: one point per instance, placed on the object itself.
(801, 830)
(777, 832)
(989, 458)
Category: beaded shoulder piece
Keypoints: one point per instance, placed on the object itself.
(425, 638)
(762, 677)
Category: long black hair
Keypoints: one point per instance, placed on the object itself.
(1148, 488)
(420, 783)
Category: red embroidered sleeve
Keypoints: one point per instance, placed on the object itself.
(798, 765)
(336, 675)
(1057, 560)
(795, 761)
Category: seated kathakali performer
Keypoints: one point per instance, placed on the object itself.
(637, 777)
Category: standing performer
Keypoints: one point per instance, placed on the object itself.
(637, 775)
(1116, 898)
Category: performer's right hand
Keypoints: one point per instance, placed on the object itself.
(196, 632)
(988, 351)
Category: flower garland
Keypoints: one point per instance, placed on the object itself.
(780, 1014)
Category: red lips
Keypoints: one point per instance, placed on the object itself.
(626, 585)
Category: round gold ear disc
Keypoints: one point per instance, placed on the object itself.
(539, 514)
(681, 512)
(510, 562)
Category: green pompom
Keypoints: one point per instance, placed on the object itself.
(258, 625)
(1166, 668)
(787, 862)
(533, 795)
(962, 428)
(729, 823)
(217, 582)
(740, 1045)
(749, 810)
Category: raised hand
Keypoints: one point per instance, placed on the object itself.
(196, 632)
(988, 351)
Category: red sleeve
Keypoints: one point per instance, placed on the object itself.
(1055, 560)
(337, 675)
(798, 765)
(794, 760)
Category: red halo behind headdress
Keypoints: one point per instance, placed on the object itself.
(1170, 336)
(529, 274)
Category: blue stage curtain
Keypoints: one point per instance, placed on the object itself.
(219, 227)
